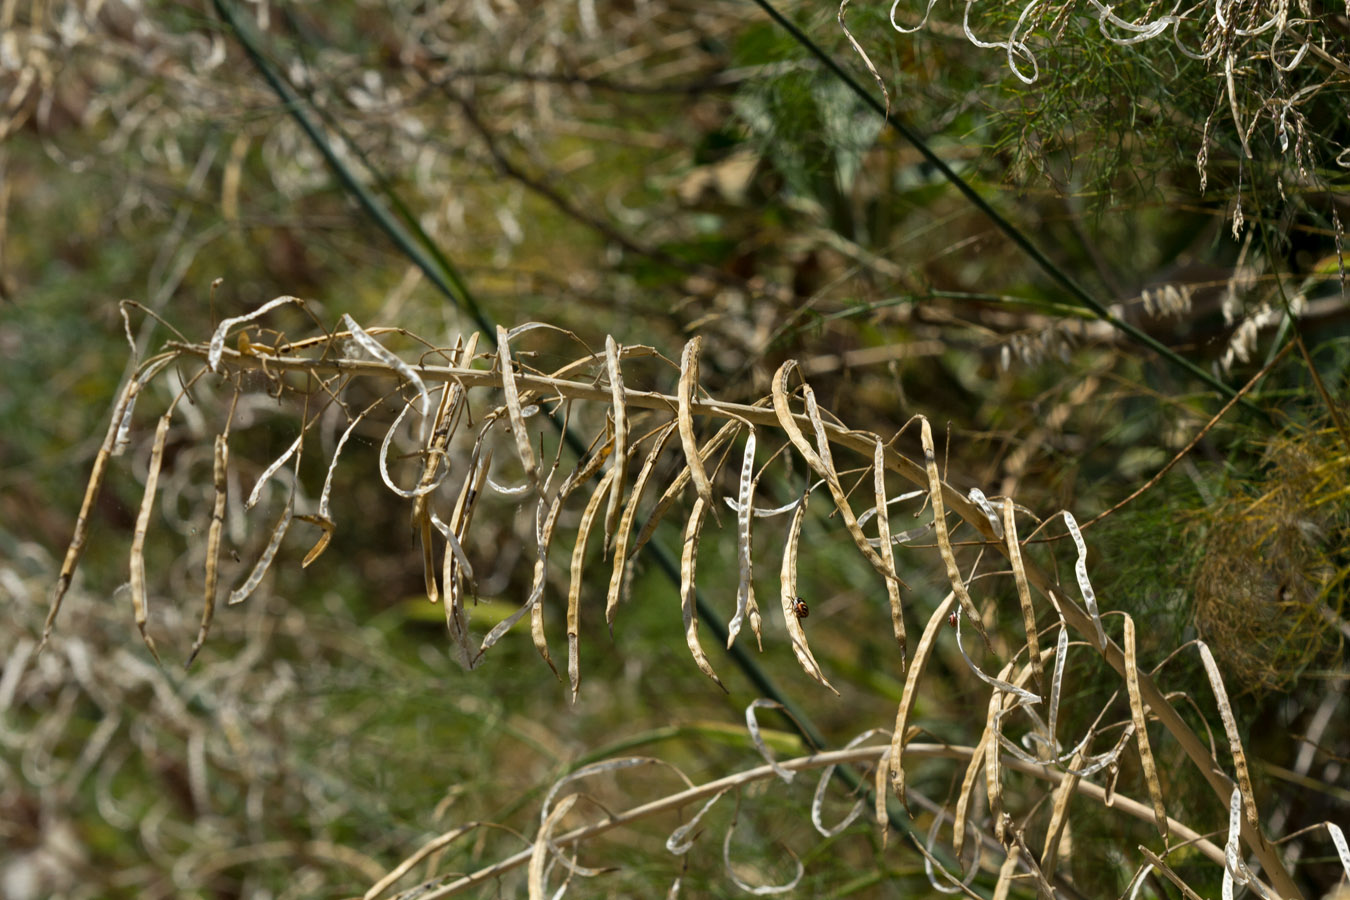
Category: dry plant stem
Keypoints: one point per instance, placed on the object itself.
(993, 757)
(821, 465)
(1139, 716)
(887, 554)
(788, 595)
(935, 492)
(620, 424)
(862, 756)
(932, 865)
(625, 528)
(1043, 888)
(1231, 730)
(403, 868)
(1170, 719)
(881, 83)
(1171, 875)
(745, 584)
(907, 698)
(685, 397)
(76, 549)
(219, 484)
(1059, 818)
(973, 771)
(574, 390)
(545, 522)
(447, 411)
(1014, 551)
(539, 852)
(688, 567)
(860, 443)
(455, 568)
(518, 430)
(138, 599)
(677, 486)
(1005, 873)
(607, 486)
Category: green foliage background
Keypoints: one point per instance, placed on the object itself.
(664, 170)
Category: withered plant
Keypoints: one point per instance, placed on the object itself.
(461, 419)
(661, 170)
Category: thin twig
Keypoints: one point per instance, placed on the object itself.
(858, 756)
(1200, 435)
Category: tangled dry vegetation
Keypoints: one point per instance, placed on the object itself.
(1261, 610)
(1266, 69)
(466, 426)
(672, 163)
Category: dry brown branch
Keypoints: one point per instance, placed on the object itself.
(608, 409)
(860, 755)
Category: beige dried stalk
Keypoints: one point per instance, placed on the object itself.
(454, 450)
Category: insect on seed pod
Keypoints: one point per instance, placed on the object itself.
(800, 608)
